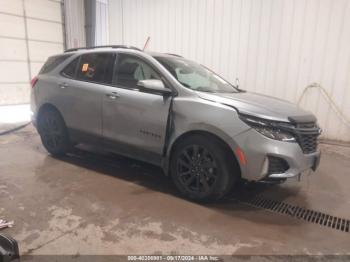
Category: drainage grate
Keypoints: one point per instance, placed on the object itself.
(308, 215)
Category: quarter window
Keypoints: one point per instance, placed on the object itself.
(71, 68)
(96, 67)
(131, 69)
(52, 62)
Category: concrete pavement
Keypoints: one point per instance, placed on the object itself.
(97, 203)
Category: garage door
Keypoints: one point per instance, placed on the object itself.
(30, 31)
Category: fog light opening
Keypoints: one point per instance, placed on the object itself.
(265, 167)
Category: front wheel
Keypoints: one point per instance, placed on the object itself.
(202, 169)
(53, 132)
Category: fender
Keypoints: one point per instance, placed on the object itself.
(176, 135)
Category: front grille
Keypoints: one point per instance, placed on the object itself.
(307, 136)
(308, 143)
(307, 125)
(277, 165)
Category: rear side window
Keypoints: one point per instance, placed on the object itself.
(71, 69)
(96, 67)
(52, 62)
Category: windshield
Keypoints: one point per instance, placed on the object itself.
(196, 76)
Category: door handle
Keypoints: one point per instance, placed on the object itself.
(63, 85)
(113, 95)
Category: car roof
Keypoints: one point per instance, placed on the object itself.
(120, 47)
(157, 54)
(103, 47)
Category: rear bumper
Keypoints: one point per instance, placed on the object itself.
(33, 108)
(257, 148)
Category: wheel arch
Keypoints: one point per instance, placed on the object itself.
(57, 143)
(229, 148)
(49, 106)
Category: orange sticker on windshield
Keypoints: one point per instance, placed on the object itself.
(85, 67)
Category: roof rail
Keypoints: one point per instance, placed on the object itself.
(102, 46)
(174, 54)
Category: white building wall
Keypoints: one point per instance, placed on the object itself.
(30, 31)
(275, 47)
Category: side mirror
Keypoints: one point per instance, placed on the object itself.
(8, 249)
(154, 85)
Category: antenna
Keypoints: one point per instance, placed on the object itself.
(146, 43)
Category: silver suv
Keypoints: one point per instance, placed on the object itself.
(169, 111)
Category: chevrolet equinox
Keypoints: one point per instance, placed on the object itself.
(172, 112)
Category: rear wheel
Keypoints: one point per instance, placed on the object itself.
(53, 132)
(202, 169)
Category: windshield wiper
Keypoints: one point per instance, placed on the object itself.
(204, 89)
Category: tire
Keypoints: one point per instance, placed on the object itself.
(202, 169)
(53, 132)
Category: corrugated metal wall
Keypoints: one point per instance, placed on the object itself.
(275, 47)
(30, 31)
(74, 23)
(101, 26)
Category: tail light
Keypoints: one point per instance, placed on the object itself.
(34, 81)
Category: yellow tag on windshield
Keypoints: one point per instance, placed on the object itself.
(85, 67)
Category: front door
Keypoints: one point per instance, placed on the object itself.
(135, 121)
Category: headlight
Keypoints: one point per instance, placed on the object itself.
(275, 134)
(269, 128)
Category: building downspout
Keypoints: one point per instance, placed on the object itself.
(90, 22)
(63, 18)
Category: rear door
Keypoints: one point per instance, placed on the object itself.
(82, 92)
(135, 121)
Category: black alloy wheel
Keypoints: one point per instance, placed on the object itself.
(202, 168)
(197, 169)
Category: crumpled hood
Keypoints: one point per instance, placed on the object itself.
(257, 105)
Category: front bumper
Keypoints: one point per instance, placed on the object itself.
(257, 148)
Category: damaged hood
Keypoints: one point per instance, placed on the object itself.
(257, 105)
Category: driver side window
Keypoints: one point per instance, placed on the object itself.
(130, 70)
